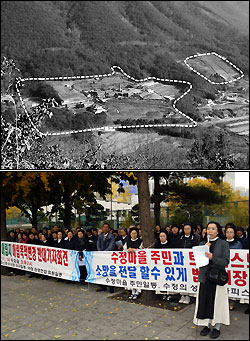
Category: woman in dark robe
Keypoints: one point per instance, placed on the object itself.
(133, 243)
(212, 306)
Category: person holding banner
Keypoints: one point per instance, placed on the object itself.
(105, 242)
(163, 242)
(212, 308)
(174, 235)
(83, 245)
(123, 234)
(234, 243)
(188, 239)
(133, 243)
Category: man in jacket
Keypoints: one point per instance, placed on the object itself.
(71, 243)
(106, 242)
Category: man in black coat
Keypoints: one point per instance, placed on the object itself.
(59, 241)
(53, 241)
(92, 240)
(70, 244)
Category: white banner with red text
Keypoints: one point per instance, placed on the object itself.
(162, 270)
(44, 260)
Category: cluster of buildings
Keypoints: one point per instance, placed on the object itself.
(93, 100)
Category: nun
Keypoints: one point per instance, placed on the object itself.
(133, 243)
(212, 306)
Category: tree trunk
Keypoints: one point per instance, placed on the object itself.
(4, 236)
(145, 221)
(34, 212)
(67, 207)
(157, 199)
(144, 209)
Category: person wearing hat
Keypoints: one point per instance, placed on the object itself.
(174, 235)
(234, 243)
(241, 235)
(212, 306)
(231, 236)
(133, 243)
(187, 240)
(164, 243)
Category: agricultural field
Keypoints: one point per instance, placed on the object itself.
(214, 68)
(238, 125)
(112, 100)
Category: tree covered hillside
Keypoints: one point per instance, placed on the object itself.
(65, 38)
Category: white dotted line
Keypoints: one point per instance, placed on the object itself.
(26, 112)
(194, 123)
(219, 56)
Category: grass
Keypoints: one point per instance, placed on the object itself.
(211, 64)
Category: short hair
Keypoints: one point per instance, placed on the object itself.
(107, 224)
(233, 227)
(230, 225)
(219, 228)
(193, 227)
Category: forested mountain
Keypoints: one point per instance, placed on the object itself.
(234, 13)
(54, 38)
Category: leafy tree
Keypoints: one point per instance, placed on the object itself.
(43, 90)
(173, 186)
(28, 191)
(127, 219)
(94, 213)
(226, 204)
(211, 151)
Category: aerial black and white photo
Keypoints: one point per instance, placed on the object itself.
(124, 85)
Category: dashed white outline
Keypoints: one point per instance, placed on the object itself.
(194, 123)
(219, 56)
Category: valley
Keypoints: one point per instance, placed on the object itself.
(153, 107)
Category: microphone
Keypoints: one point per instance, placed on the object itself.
(208, 238)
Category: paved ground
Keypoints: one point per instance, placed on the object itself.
(34, 309)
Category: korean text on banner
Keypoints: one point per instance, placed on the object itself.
(162, 270)
(43, 260)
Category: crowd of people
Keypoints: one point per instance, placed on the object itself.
(212, 304)
(106, 238)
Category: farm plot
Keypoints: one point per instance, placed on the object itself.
(163, 89)
(67, 92)
(237, 125)
(212, 66)
(240, 128)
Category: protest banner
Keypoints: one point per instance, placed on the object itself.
(44, 260)
(162, 270)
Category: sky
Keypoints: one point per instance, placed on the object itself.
(242, 179)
